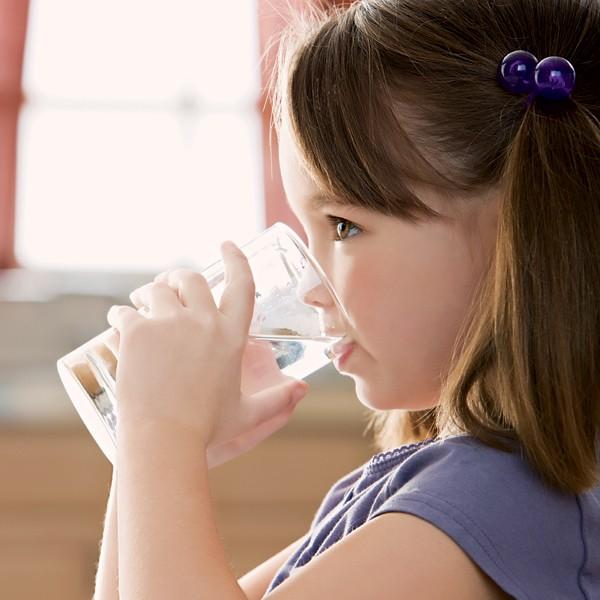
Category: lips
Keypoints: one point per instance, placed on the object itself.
(341, 347)
(341, 358)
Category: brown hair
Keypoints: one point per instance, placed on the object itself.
(381, 94)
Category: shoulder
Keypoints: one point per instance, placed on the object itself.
(388, 554)
(480, 479)
(495, 508)
(449, 518)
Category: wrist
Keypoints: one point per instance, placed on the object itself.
(153, 438)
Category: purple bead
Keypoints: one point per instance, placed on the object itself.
(516, 72)
(554, 78)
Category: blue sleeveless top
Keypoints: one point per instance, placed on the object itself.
(536, 543)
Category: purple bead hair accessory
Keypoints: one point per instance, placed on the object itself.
(516, 72)
(555, 78)
(552, 78)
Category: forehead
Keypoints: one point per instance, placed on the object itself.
(301, 191)
(304, 196)
(296, 179)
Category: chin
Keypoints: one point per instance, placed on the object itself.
(376, 398)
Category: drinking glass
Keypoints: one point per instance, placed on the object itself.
(297, 321)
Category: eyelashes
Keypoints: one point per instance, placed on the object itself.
(335, 222)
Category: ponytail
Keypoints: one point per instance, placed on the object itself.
(539, 344)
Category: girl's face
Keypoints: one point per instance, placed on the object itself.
(405, 287)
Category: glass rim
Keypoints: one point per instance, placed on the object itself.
(297, 240)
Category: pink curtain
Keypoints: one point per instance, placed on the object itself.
(270, 15)
(13, 27)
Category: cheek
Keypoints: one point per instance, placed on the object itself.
(408, 312)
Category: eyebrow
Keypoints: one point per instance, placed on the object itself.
(318, 201)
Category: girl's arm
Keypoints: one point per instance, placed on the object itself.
(107, 582)
(169, 545)
(255, 582)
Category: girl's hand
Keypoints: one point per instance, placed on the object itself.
(272, 404)
(190, 364)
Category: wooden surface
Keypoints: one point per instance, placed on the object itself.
(55, 484)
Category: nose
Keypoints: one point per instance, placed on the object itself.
(313, 293)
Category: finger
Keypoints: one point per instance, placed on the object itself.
(160, 299)
(121, 317)
(192, 289)
(259, 367)
(135, 298)
(245, 442)
(161, 277)
(112, 341)
(237, 300)
(269, 402)
(267, 428)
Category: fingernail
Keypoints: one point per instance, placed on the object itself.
(299, 393)
(228, 245)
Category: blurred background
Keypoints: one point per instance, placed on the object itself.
(134, 137)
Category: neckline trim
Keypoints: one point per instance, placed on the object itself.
(382, 460)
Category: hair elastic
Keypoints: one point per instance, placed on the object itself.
(552, 78)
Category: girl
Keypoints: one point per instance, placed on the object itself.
(449, 188)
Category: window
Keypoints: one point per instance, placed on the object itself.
(140, 139)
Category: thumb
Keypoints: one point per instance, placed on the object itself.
(297, 390)
(273, 400)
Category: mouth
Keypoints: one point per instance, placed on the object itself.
(340, 346)
(342, 355)
(341, 350)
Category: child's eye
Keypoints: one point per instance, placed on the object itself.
(339, 225)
